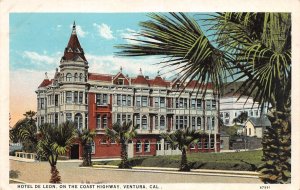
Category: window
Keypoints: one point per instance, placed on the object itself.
(185, 103)
(124, 100)
(69, 116)
(181, 122)
(93, 147)
(118, 99)
(80, 77)
(80, 97)
(158, 146)
(199, 144)
(199, 103)
(213, 104)
(256, 112)
(226, 121)
(138, 147)
(162, 102)
(68, 77)
(42, 103)
(213, 123)
(120, 81)
(156, 122)
(123, 117)
(129, 100)
(249, 132)
(75, 97)
(42, 120)
(78, 121)
(177, 103)
(212, 143)
(56, 119)
(119, 118)
(251, 113)
(144, 101)
(112, 141)
(147, 146)
(162, 123)
(208, 123)
(193, 123)
(226, 115)
(176, 123)
(198, 122)
(101, 99)
(103, 141)
(56, 99)
(138, 120)
(205, 143)
(68, 97)
(193, 103)
(181, 102)
(98, 121)
(138, 101)
(208, 104)
(75, 77)
(104, 121)
(192, 146)
(144, 122)
(156, 102)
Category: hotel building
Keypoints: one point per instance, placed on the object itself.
(97, 101)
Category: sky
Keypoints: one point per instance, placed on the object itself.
(37, 42)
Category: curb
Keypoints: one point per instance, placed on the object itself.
(175, 171)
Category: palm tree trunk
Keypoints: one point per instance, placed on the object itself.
(277, 150)
(124, 155)
(184, 164)
(55, 178)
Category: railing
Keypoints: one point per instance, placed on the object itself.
(31, 156)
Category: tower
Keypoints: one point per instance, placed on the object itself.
(73, 83)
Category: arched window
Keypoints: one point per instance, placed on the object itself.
(78, 120)
(147, 146)
(138, 147)
(162, 122)
(144, 122)
(93, 147)
(198, 122)
(80, 77)
(75, 77)
(68, 77)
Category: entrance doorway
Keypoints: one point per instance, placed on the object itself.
(74, 151)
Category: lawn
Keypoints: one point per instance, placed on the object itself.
(243, 161)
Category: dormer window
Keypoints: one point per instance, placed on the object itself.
(75, 77)
(120, 82)
(68, 77)
(80, 77)
(70, 50)
(77, 50)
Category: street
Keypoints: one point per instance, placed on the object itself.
(39, 172)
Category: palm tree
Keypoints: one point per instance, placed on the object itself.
(241, 118)
(86, 138)
(24, 131)
(55, 141)
(252, 47)
(122, 133)
(182, 139)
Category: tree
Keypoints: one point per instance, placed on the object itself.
(251, 47)
(55, 141)
(86, 138)
(122, 133)
(24, 131)
(241, 118)
(182, 139)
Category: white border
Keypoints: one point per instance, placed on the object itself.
(10, 6)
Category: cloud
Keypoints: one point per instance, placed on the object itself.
(39, 61)
(104, 31)
(111, 65)
(130, 36)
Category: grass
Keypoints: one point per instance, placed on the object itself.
(243, 161)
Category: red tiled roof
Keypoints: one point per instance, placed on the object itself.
(140, 80)
(158, 81)
(45, 83)
(74, 45)
(99, 77)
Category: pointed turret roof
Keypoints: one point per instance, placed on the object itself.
(73, 51)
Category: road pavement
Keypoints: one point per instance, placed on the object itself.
(39, 172)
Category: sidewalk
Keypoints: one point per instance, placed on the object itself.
(69, 161)
(228, 173)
